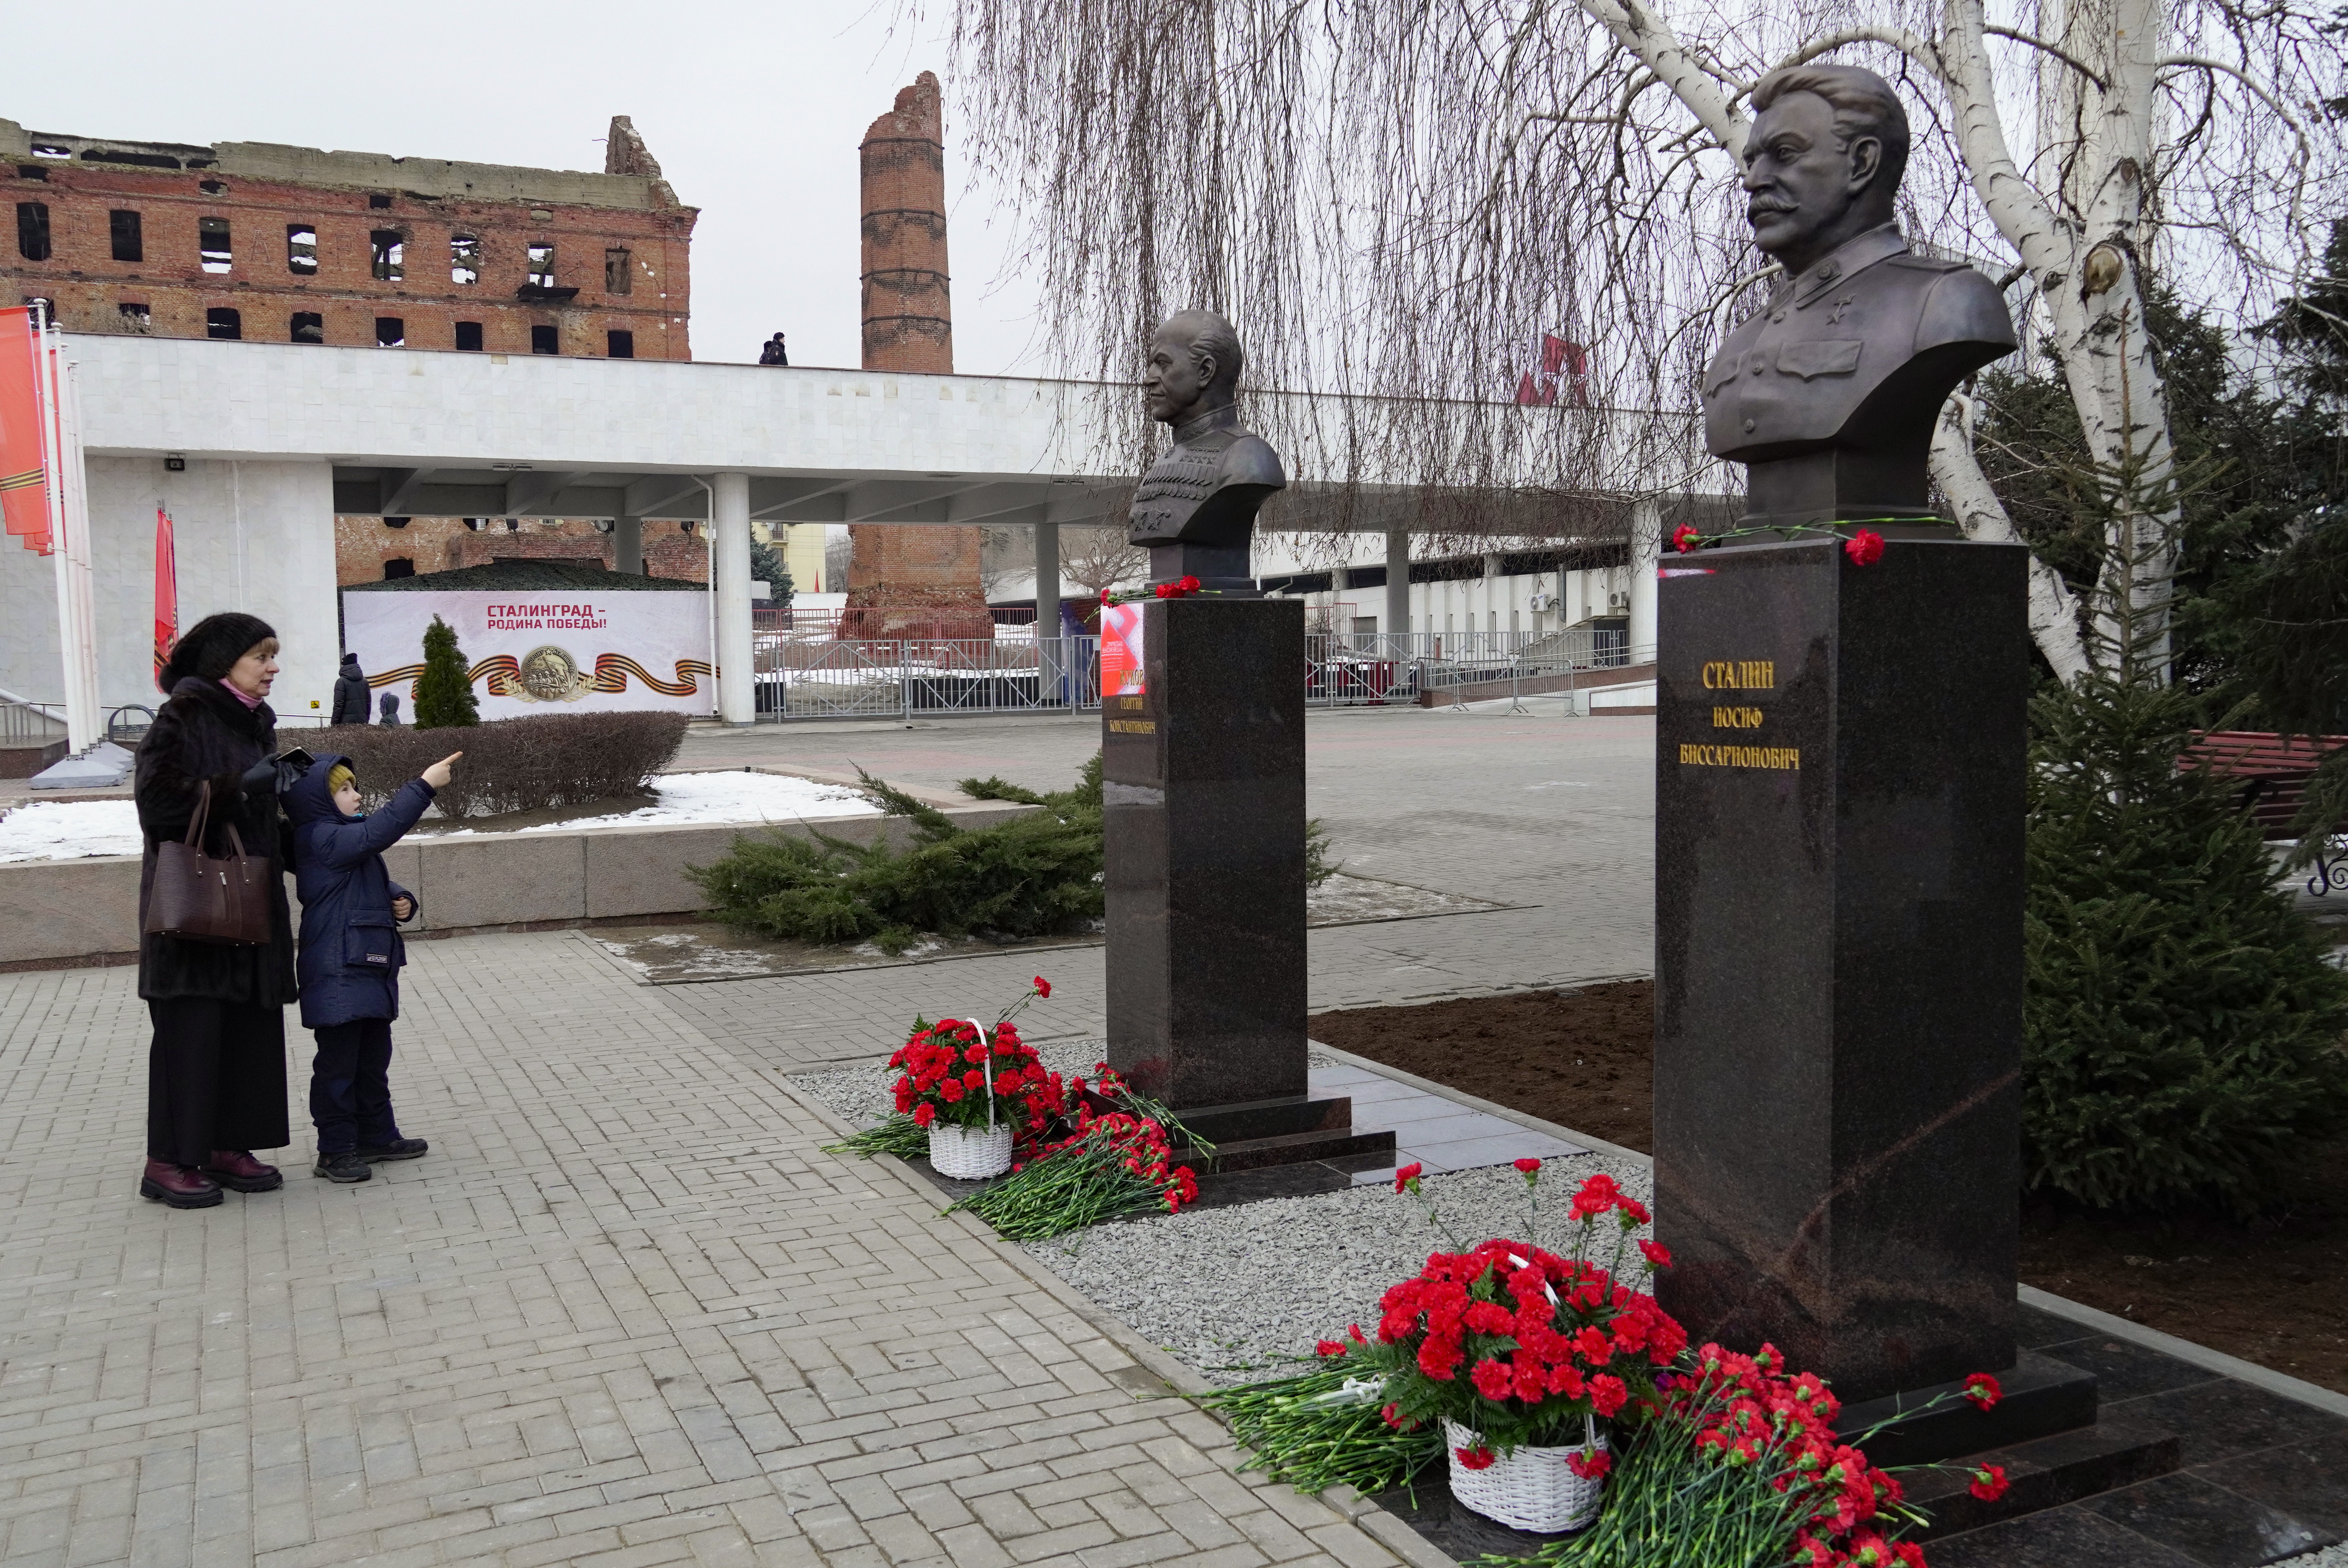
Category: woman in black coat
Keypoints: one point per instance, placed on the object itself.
(216, 1071)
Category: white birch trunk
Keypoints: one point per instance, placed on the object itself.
(2054, 608)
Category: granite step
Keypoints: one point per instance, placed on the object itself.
(1287, 1149)
(2048, 1472)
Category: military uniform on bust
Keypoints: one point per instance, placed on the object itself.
(1828, 394)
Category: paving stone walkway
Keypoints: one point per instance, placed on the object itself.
(625, 1313)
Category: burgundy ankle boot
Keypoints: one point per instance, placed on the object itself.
(238, 1169)
(181, 1186)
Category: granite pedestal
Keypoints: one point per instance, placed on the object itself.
(1203, 793)
(1838, 805)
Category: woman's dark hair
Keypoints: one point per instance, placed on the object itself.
(210, 648)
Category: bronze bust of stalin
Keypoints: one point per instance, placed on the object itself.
(1195, 509)
(1829, 395)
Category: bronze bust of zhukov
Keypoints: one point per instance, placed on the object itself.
(1195, 509)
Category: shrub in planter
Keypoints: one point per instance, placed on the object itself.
(515, 764)
(1028, 877)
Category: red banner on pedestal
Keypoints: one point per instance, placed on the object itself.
(167, 591)
(24, 477)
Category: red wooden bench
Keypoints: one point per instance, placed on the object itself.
(2274, 770)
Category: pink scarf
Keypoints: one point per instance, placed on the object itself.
(250, 702)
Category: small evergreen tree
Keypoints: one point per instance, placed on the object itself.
(444, 692)
(2182, 1024)
(767, 566)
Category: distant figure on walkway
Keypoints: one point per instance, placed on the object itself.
(216, 1070)
(351, 958)
(772, 352)
(390, 701)
(350, 694)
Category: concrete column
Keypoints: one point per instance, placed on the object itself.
(730, 556)
(1398, 617)
(1646, 548)
(628, 544)
(1047, 580)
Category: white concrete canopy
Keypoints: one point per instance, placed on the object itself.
(254, 447)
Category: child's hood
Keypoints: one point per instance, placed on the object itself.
(310, 800)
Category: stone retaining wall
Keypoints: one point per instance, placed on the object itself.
(62, 913)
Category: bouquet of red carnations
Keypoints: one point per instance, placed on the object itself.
(1117, 1162)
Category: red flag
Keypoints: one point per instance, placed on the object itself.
(24, 477)
(167, 591)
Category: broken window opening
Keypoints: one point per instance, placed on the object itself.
(308, 327)
(398, 566)
(620, 345)
(464, 259)
(618, 275)
(300, 248)
(378, 200)
(211, 243)
(387, 250)
(50, 149)
(545, 340)
(390, 332)
(124, 229)
(468, 336)
(542, 266)
(32, 171)
(211, 187)
(135, 318)
(33, 230)
(220, 321)
(394, 522)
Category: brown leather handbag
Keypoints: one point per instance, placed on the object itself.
(200, 899)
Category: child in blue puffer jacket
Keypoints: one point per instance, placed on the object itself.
(351, 955)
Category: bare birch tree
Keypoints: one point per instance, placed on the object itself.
(1396, 198)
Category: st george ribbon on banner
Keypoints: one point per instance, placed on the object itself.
(24, 471)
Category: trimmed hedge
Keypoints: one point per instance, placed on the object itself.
(513, 764)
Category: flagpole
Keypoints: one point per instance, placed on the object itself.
(80, 567)
(68, 537)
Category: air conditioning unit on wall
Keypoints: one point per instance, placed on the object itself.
(1544, 601)
(1618, 601)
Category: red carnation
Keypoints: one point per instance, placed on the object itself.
(1864, 548)
(1591, 1464)
(1329, 1348)
(1492, 1379)
(1475, 1459)
(1989, 1482)
(1608, 1395)
(1686, 538)
(1163, 590)
(1527, 1167)
(1043, 987)
(1106, 598)
(1982, 1390)
(925, 1113)
(1656, 1253)
(1406, 1176)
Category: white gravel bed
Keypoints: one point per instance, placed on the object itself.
(1230, 1292)
(2330, 1557)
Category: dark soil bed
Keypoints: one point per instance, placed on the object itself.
(2274, 1291)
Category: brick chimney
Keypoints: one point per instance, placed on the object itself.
(907, 579)
(908, 317)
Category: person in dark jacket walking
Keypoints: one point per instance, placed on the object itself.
(216, 1069)
(350, 694)
(351, 958)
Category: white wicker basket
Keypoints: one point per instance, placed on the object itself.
(970, 1153)
(1531, 1489)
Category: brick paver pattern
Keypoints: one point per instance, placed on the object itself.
(626, 1313)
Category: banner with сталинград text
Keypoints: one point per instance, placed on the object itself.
(562, 652)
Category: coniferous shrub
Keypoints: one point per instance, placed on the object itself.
(1032, 876)
(444, 692)
(2182, 1026)
(515, 764)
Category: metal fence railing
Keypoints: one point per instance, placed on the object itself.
(803, 675)
(27, 725)
(816, 678)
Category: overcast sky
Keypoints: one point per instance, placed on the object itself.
(753, 109)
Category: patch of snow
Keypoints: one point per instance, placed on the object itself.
(70, 830)
(721, 797)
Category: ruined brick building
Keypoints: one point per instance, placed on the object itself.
(909, 326)
(290, 244)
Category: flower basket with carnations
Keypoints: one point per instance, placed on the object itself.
(975, 1090)
(1520, 1353)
